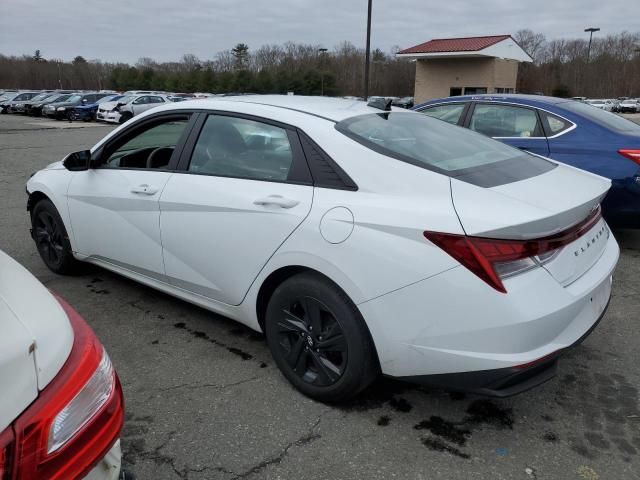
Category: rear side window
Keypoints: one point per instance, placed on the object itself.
(505, 121)
(449, 113)
(555, 124)
(437, 146)
(242, 148)
(603, 118)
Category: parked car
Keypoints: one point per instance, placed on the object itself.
(88, 111)
(403, 102)
(6, 101)
(20, 106)
(602, 104)
(348, 234)
(571, 132)
(61, 408)
(631, 105)
(34, 107)
(65, 109)
(129, 106)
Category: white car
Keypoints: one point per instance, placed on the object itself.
(129, 106)
(61, 408)
(630, 105)
(360, 240)
(602, 104)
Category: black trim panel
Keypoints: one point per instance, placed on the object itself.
(325, 171)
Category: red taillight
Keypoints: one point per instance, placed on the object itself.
(6, 450)
(631, 154)
(76, 419)
(489, 257)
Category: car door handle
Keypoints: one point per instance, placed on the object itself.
(278, 200)
(145, 189)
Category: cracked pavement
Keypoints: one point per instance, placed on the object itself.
(204, 400)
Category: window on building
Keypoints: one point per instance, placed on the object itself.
(504, 90)
(455, 91)
(475, 90)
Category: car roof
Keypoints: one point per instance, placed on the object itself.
(533, 100)
(329, 108)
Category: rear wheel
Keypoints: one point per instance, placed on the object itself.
(52, 240)
(319, 340)
(126, 116)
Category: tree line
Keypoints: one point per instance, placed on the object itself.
(561, 67)
(565, 67)
(292, 67)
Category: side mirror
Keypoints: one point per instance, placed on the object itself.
(77, 161)
(84, 100)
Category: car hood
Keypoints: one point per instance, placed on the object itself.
(88, 106)
(107, 105)
(36, 338)
(63, 104)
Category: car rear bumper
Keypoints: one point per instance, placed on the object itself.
(109, 467)
(453, 329)
(504, 382)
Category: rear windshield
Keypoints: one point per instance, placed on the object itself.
(602, 117)
(436, 145)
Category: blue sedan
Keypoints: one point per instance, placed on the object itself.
(571, 132)
(87, 112)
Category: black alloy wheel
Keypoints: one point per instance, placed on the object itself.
(48, 238)
(312, 341)
(319, 339)
(52, 240)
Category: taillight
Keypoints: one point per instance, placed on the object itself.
(76, 419)
(6, 450)
(631, 154)
(494, 259)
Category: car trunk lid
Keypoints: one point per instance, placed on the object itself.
(539, 207)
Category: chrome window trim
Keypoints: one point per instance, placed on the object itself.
(572, 127)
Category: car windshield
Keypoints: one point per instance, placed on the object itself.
(127, 98)
(436, 145)
(41, 96)
(61, 98)
(110, 98)
(74, 98)
(602, 117)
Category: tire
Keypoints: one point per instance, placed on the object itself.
(126, 116)
(333, 365)
(52, 240)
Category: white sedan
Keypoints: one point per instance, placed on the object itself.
(127, 107)
(61, 408)
(362, 239)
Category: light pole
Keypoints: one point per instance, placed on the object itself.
(322, 51)
(366, 57)
(590, 30)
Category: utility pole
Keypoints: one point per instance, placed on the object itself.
(590, 30)
(366, 58)
(322, 51)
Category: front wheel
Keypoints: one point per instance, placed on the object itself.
(52, 240)
(319, 340)
(125, 117)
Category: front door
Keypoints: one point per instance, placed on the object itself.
(114, 207)
(244, 191)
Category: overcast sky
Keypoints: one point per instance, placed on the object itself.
(125, 30)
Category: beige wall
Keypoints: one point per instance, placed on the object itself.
(434, 77)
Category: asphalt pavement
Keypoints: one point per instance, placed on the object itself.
(204, 399)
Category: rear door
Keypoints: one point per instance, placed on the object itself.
(515, 125)
(244, 189)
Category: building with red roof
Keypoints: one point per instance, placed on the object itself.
(465, 66)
